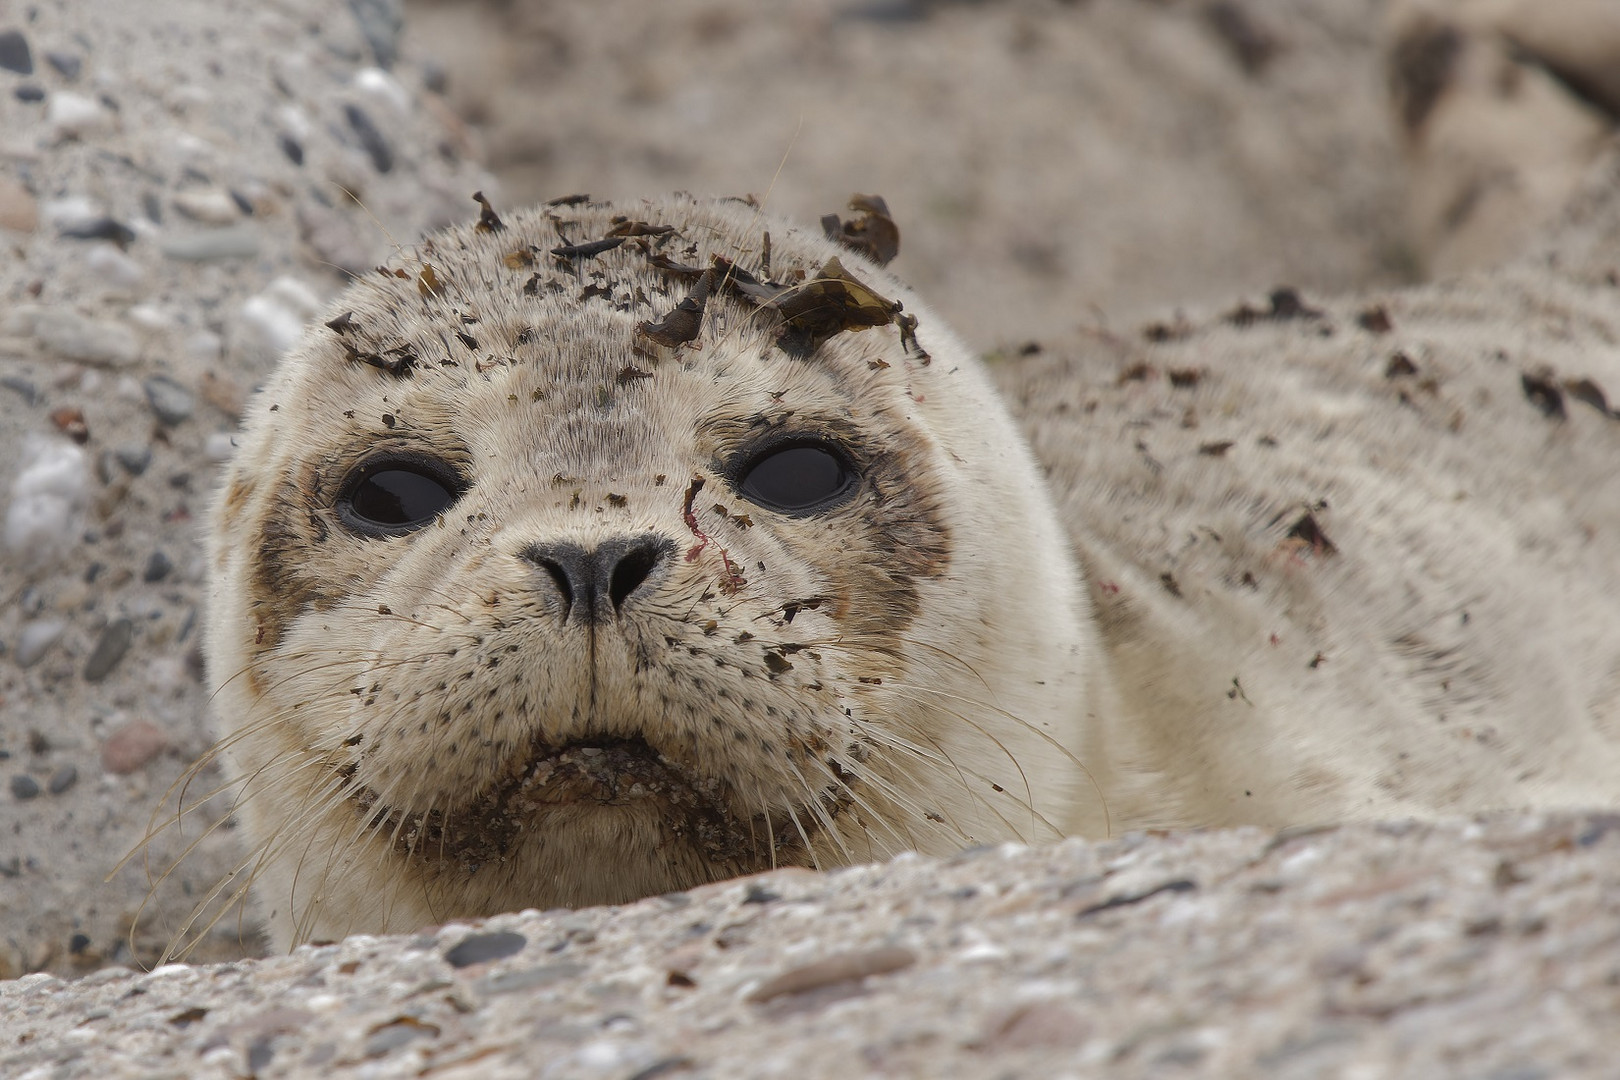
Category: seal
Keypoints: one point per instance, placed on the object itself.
(606, 551)
(600, 552)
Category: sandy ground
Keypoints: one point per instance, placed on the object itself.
(1480, 950)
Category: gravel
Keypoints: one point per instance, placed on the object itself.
(1487, 948)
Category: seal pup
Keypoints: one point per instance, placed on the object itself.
(605, 551)
(601, 551)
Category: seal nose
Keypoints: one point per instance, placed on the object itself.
(597, 582)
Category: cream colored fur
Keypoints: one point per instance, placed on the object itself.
(939, 698)
(1324, 560)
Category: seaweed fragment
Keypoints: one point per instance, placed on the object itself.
(685, 320)
(588, 248)
(488, 220)
(872, 232)
(830, 303)
(625, 227)
(1541, 390)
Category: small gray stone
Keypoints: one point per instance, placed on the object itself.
(24, 787)
(99, 228)
(230, 242)
(62, 779)
(158, 567)
(134, 459)
(381, 22)
(36, 640)
(291, 147)
(393, 1036)
(66, 64)
(110, 648)
(14, 53)
(371, 139)
(171, 402)
(508, 982)
(482, 948)
(22, 387)
(211, 206)
(72, 336)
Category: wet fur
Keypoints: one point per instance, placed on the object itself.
(1336, 561)
(899, 672)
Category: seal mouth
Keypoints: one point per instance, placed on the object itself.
(561, 786)
(610, 773)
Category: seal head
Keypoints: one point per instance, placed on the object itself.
(601, 552)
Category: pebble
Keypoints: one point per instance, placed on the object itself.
(158, 567)
(73, 116)
(22, 388)
(19, 212)
(66, 64)
(212, 207)
(71, 211)
(154, 317)
(381, 21)
(24, 787)
(131, 746)
(172, 402)
(110, 648)
(219, 446)
(482, 948)
(99, 228)
(228, 242)
(134, 459)
(295, 123)
(15, 54)
(371, 139)
(114, 267)
(843, 967)
(73, 336)
(46, 496)
(203, 346)
(62, 779)
(277, 315)
(381, 86)
(36, 640)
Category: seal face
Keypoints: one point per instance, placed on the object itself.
(601, 552)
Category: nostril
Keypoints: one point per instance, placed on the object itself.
(569, 568)
(560, 576)
(631, 570)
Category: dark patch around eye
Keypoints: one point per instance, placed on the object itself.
(397, 495)
(797, 478)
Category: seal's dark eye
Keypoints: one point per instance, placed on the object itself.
(394, 496)
(797, 478)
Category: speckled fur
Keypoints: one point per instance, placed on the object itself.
(1335, 561)
(903, 671)
(1359, 563)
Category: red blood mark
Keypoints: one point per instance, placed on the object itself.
(733, 579)
(691, 520)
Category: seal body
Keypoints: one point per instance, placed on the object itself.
(1348, 560)
(607, 551)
